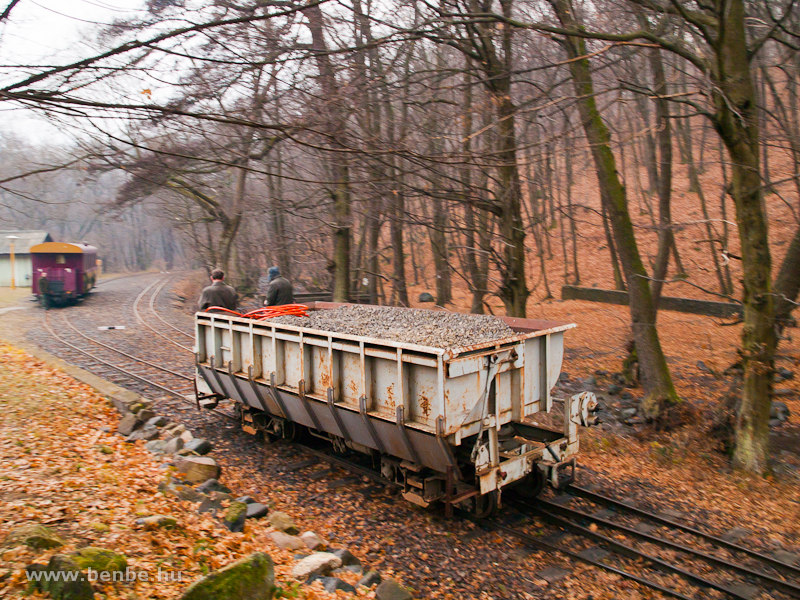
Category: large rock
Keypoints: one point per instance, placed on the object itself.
(128, 424)
(157, 421)
(320, 563)
(185, 492)
(145, 415)
(370, 578)
(284, 541)
(256, 510)
(156, 446)
(148, 432)
(198, 445)
(99, 559)
(426, 297)
(312, 540)
(250, 578)
(61, 578)
(235, 517)
(391, 590)
(212, 485)
(331, 584)
(173, 446)
(198, 468)
(37, 537)
(283, 522)
(346, 556)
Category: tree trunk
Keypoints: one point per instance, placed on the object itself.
(336, 129)
(660, 391)
(787, 284)
(736, 121)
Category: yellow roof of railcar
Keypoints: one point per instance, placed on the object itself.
(62, 248)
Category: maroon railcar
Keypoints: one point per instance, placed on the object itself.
(62, 272)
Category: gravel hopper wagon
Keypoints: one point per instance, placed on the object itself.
(447, 420)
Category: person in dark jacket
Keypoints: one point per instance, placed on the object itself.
(280, 290)
(218, 294)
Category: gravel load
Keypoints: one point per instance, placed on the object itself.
(438, 329)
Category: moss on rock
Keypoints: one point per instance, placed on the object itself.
(99, 559)
(71, 584)
(34, 536)
(250, 578)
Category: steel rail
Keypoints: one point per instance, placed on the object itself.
(105, 362)
(605, 500)
(153, 329)
(635, 554)
(537, 542)
(132, 357)
(785, 586)
(159, 317)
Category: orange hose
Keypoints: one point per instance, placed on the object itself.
(268, 312)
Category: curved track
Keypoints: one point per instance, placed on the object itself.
(706, 571)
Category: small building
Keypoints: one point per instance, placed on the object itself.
(23, 270)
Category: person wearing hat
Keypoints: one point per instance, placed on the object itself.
(280, 290)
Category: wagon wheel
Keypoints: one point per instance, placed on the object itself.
(291, 431)
(484, 505)
(532, 484)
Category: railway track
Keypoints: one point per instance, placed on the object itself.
(613, 545)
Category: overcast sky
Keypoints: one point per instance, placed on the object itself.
(51, 32)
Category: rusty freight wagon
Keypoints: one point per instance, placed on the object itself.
(448, 424)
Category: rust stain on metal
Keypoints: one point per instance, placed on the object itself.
(425, 405)
(325, 376)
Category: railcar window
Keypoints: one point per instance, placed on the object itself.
(60, 259)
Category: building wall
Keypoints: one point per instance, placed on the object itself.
(22, 267)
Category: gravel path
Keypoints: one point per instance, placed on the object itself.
(439, 329)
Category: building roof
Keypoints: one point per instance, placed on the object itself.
(27, 238)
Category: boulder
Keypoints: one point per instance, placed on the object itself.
(615, 389)
(283, 522)
(331, 584)
(312, 540)
(187, 436)
(775, 423)
(235, 517)
(370, 578)
(61, 578)
(156, 446)
(284, 541)
(99, 559)
(175, 430)
(145, 415)
(157, 421)
(148, 432)
(157, 521)
(128, 424)
(320, 563)
(346, 557)
(246, 499)
(391, 590)
(173, 446)
(256, 510)
(198, 468)
(185, 492)
(250, 578)
(211, 506)
(426, 297)
(37, 537)
(212, 485)
(627, 413)
(198, 445)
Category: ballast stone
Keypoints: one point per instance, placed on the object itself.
(439, 329)
(128, 424)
